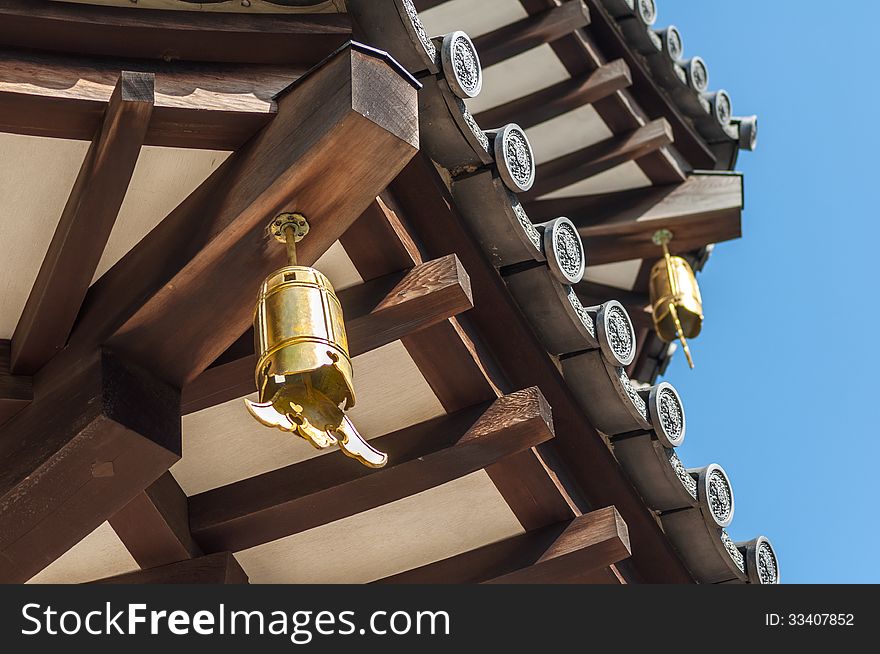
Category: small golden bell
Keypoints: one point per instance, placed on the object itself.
(675, 297)
(304, 373)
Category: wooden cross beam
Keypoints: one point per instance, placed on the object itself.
(559, 98)
(298, 39)
(582, 454)
(446, 354)
(95, 437)
(85, 225)
(185, 293)
(374, 316)
(16, 391)
(328, 488)
(707, 208)
(511, 40)
(587, 162)
(154, 526)
(219, 568)
(66, 96)
(569, 552)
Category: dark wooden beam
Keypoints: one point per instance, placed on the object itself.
(570, 552)
(16, 391)
(85, 225)
(580, 55)
(581, 452)
(328, 488)
(154, 526)
(559, 98)
(212, 106)
(587, 162)
(219, 568)
(511, 40)
(94, 438)
(296, 39)
(377, 312)
(458, 368)
(645, 90)
(340, 135)
(619, 226)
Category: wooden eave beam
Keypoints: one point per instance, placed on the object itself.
(619, 226)
(16, 391)
(646, 92)
(580, 452)
(85, 225)
(559, 98)
(587, 162)
(328, 488)
(457, 368)
(374, 316)
(93, 438)
(511, 40)
(297, 39)
(211, 106)
(154, 526)
(569, 552)
(621, 113)
(219, 568)
(185, 292)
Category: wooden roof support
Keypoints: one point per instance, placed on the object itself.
(96, 435)
(219, 568)
(560, 98)
(328, 488)
(511, 40)
(16, 391)
(375, 316)
(569, 552)
(85, 225)
(341, 133)
(618, 226)
(447, 357)
(66, 96)
(297, 39)
(154, 526)
(582, 164)
(579, 55)
(582, 454)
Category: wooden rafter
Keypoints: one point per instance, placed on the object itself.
(587, 162)
(219, 568)
(525, 34)
(429, 210)
(559, 98)
(618, 226)
(297, 39)
(16, 391)
(160, 303)
(447, 356)
(327, 488)
(154, 526)
(95, 437)
(570, 552)
(85, 225)
(377, 312)
(66, 96)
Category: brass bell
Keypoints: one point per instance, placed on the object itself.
(304, 373)
(675, 297)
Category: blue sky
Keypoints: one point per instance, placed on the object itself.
(783, 396)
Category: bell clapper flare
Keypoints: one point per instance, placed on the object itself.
(304, 374)
(675, 297)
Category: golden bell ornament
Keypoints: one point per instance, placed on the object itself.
(675, 297)
(304, 374)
